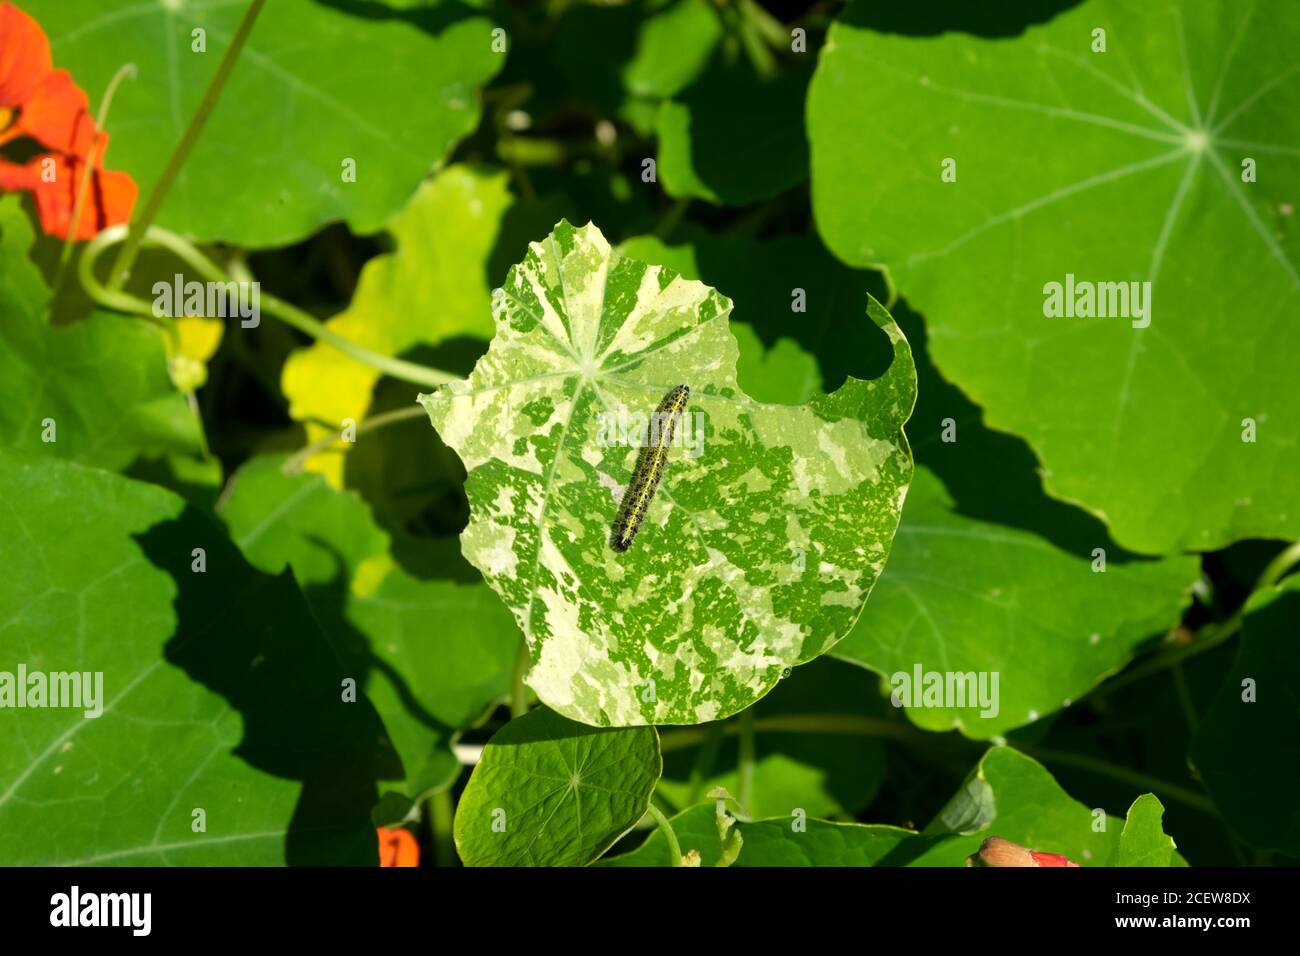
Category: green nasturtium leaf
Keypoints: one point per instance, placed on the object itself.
(95, 391)
(673, 46)
(987, 574)
(551, 792)
(1011, 796)
(773, 842)
(991, 579)
(794, 765)
(318, 84)
(1007, 795)
(733, 137)
(1245, 747)
(433, 288)
(221, 732)
(1167, 159)
(1143, 842)
(769, 528)
(435, 655)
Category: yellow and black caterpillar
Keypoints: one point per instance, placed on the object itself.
(649, 467)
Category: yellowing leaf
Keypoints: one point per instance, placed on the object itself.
(433, 288)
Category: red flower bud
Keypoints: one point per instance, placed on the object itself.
(996, 851)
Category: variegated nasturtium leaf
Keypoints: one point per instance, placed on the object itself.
(1121, 144)
(770, 526)
(551, 792)
(1246, 745)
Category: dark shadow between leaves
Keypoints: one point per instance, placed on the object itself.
(746, 134)
(431, 18)
(760, 278)
(1005, 18)
(543, 725)
(329, 602)
(412, 482)
(992, 476)
(251, 638)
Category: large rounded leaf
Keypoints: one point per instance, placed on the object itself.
(319, 82)
(551, 792)
(771, 524)
(1074, 165)
(987, 573)
(221, 731)
(96, 391)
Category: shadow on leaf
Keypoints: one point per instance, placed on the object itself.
(251, 638)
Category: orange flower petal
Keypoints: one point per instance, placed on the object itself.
(109, 202)
(17, 178)
(116, 193)
(57, 113)
(398, 848)
(24, 55)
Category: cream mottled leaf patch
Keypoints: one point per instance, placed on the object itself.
(769, 527)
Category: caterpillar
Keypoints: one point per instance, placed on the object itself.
(649, 468)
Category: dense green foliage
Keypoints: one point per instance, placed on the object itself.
(929, 562)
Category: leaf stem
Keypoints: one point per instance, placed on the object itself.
(440, 823)
(874, 727)
(745, 786)
(842, 724)
(671, 218)
(286, 312)
(126, 256)
(411, 372)
(666, 827)
(300, 458)
(518, 689)
(1135, 777)
(1211, 635)
(704, 762)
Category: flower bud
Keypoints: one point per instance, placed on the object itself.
(996, 851)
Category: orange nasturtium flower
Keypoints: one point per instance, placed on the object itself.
(38, 102)
(398, 847)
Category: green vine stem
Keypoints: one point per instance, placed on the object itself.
(674, 848)
(518, 689)
(745, 796)
(300, 458)
(126, 256)
(1136, 778)
(849, 724)
(440, 822)
(1212, 635)
(272, 305)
